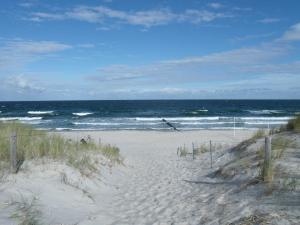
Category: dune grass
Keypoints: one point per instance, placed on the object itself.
(260, 133)
(37, 144)
(182, 151)
(278, 146)
(294, 124)
(26, 211)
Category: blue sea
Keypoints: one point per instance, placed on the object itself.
(148, 114)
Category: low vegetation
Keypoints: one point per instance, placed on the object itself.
(182, 151)
(26, 211)
(259, 134)
(278, 146)
(37, 144)
(252, 220)
(294, 124)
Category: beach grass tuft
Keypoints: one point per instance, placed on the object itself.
(26, 211)
(280, 144)
(182, 151)
(260, 133)
(294, 124)
(37, 144)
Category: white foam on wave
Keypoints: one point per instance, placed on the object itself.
(176, 118)
(265, 111)
(112, 123)
(267, 123)
(20, 118)
(285, 118)
(82, 113)
(205, 123)
(39, 112)
(62, 128)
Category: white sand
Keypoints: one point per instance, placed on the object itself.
(151, 188)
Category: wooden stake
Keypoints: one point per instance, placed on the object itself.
(267, 169)
(13, 152)
(210, 149)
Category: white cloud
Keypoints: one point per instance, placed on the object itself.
(37, 47)
(16, 53)
(242, 56)
(87, 45)
(21, 84)
(200, 16)
(293, 34)
(252, 36)
(246, 9)
(147, 18)
(228, 65)
(269, 20)
(215, 5)
(26, 4)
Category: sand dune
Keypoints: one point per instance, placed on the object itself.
(154, 186)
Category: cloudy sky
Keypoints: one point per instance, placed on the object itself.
(134, 49)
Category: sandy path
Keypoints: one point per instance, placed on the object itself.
(152, 187)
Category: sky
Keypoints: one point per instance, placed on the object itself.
(135, 49)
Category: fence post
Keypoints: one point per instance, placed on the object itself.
(13, 152)
(193, 150)
(234, 126)
(210, 153)
(267, 168)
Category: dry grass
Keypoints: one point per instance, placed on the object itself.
(182, 151)
(294, 124)
(278, 146)
(252, 220)
(26, 211)
(35, 144)
(259, 134)
(67, 181)
(201, 149)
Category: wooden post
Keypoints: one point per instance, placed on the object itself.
(193, 150)
(267, 169)
(13, 152)
(234, 126)
(210, 149)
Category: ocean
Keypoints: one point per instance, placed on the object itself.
(148, 114)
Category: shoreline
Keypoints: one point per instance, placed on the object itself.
(150, 130)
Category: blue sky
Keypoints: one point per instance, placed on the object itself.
(134, 49)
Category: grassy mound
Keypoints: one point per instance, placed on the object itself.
(37, 144)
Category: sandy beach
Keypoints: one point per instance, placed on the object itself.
(150, 188)
(153, 185)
